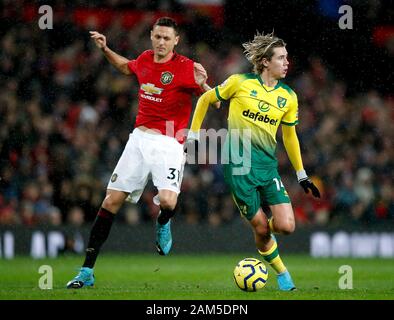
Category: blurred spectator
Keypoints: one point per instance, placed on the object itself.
(75, 217)
(132, 215)
(54, 216)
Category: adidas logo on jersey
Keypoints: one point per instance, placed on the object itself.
(259, 117)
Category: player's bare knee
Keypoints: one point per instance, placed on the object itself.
(285, 228)
(167, 203)
(288, 230)
(112, 204)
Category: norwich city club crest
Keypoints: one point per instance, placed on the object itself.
(166, 77)
(281, 102)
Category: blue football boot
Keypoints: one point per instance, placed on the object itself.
(285, 282)
(163, 238)
(85, 277)
(284, 279)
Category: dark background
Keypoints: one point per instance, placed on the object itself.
(310, 28)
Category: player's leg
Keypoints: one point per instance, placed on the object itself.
(167, 172)
(246, 194)
(102, 225)
(168, 201)
(98, 235)
(266, 245)
(282, 221)
(261, 231)
(129, 179)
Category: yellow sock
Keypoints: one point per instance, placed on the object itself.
(271, 224)
(273, 258)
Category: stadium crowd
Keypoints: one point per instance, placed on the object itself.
(65, 115)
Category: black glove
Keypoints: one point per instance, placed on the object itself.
(307, 184)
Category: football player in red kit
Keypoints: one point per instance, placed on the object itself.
(167, 82)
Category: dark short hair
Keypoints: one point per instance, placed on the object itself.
(166, 22)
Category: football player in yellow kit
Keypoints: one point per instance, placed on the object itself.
(259, 103)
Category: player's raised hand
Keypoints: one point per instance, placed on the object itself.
(99, 39)
(200, 74)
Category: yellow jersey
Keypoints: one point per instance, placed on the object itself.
(261, 109)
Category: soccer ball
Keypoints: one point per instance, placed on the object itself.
(250, 274)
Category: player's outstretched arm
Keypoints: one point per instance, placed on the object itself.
(292, 146)
(115, 59)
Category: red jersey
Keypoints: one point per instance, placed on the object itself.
(165, 94)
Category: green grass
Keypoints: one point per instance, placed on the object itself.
(185, 277)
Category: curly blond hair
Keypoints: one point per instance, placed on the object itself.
(262, 46)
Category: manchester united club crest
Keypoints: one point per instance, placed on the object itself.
(166, 77)
(114, 177)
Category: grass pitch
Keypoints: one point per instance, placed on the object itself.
(193, 277)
